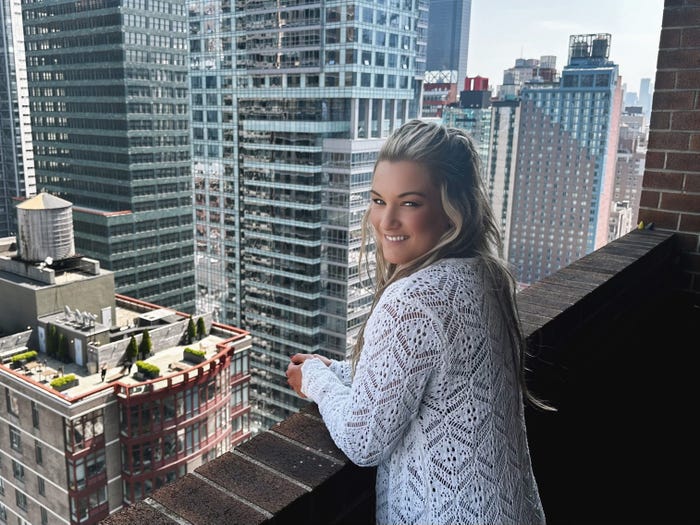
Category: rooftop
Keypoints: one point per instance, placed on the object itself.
(169, 360)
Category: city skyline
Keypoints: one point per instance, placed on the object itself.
(503, 31)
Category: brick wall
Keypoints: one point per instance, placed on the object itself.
(671, 190)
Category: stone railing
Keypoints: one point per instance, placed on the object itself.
(577, 322)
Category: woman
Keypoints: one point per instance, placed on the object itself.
(433, 393)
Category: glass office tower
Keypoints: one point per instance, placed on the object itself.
(448, 36)
(110, 119)
(290, 104)
(17, 178)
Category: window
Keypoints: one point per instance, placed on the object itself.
(18, 470)
(41, 486)
(15, 439)
(38, 454)
(11, 401)
(44, 516)
(21, 500)
(35, 415)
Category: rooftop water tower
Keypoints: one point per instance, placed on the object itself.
(45, 229)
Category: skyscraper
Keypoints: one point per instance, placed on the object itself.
(629, 166)
(110, 123)
(17, 179)
(500, 168)
(473, 114)
(566, 161)
(290, 104)
(646, 89)
(448, 36)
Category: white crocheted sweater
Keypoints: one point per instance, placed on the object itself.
(434, 404)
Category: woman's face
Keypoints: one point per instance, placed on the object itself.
(405, 211)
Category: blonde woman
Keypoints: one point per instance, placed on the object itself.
(433, 393)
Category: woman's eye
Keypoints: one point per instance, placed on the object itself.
(410, 203)
(377, 201)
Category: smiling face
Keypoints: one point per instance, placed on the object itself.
(405, 211)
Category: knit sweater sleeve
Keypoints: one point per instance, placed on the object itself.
(368, 418)
(342, 370)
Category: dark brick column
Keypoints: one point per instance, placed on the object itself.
(671, 193)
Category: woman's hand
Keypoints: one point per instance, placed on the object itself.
(294, 370)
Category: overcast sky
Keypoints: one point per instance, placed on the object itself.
(503, 30)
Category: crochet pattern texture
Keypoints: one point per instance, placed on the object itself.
(434, 404)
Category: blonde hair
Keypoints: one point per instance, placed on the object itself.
(453, 163)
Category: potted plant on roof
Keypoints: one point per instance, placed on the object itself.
(148, 370)
(64, 382)
(193, 356)
(17, 360)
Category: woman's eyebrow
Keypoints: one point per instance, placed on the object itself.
(401, 195)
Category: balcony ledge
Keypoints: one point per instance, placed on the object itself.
(575, 321)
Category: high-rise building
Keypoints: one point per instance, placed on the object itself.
(17, 179)
(85, 429)
(500, 168)
(527, 70)
(439, 91)
(448, 36)
(629, 169)
(493, 124)
(567, 146)
(646, 90)
(110, 124)
(473, 114)
(290, 105)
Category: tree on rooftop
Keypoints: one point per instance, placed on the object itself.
(146, 345)
(52, 341)
(191, 331)
(201, 328)
(63, 348)
(132, 349)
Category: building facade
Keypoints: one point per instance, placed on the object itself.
(448, 36)
(473, 114)
(110, 121)
(17, 177)
(525, 70)
(500, 168)
(629, 169)
(566, 162)
(290, 104)
(440, 89)
(83, 435)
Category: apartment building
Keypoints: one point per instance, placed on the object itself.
(567, 145)
(95, 417)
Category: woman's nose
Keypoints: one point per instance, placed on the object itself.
(390, 218)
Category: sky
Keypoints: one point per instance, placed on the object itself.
(503, 30)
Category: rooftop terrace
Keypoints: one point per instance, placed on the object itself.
(169, 360)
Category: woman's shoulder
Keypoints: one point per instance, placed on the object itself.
(441, 277)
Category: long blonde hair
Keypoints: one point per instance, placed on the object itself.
(452, 161)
